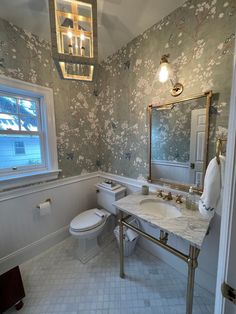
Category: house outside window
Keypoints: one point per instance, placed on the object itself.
(19, 148)
(28, 151)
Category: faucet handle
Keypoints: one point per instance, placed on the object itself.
(169, 196)
(179, 199)
(159, 193)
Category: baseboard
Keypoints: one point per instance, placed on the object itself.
(33, 249)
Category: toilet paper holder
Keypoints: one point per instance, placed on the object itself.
(47, 200)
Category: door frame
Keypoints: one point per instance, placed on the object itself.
(229, 202)
(195, 113)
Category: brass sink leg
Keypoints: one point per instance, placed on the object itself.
(122, 274)
(192, 265)
(190, 259)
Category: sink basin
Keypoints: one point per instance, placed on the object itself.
(159, 208)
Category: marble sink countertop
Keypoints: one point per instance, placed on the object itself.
(191, 226)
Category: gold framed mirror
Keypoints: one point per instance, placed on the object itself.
(178, 142)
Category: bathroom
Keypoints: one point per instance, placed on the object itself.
(102, 133)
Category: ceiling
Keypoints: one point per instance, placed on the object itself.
(119, 21)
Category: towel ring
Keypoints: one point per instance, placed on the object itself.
(218, 150)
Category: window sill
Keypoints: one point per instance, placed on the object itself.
(20, 180)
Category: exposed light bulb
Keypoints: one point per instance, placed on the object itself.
(82, 37)
(69, 34)
(163, 74)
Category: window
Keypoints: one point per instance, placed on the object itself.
(20, 148)
(20, 132)
(27, 139)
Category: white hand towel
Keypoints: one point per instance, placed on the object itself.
(222, 178)
(212, 188)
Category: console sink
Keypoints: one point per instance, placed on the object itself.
(159, 208)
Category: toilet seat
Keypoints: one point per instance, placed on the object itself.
(86, 221)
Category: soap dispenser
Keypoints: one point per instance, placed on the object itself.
(190, 198)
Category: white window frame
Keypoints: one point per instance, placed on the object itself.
(49, 150)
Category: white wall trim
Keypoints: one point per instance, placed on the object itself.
(170, 163)
(136, 183)
(45, 186)
(121, 179)
(11, 182)
(18, 192)
(33, 249)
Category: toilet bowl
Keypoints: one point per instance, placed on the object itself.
(90, 224)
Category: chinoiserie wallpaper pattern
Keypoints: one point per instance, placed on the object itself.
(104, 124)
(199, 36)
(24, 56)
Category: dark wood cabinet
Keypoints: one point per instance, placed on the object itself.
(11, 290)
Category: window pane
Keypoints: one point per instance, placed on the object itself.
(28, 107)
(8, 104)
(9, 122)
(85, 9)
(28, 123)
(19, 150)
(63, 6)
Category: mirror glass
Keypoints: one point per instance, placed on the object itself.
(178, 141)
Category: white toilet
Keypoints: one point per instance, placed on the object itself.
(89, 226)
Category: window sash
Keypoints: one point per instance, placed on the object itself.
(19, 97)
(19, 169)
(29, 168)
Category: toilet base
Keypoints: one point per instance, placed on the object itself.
(86, 249)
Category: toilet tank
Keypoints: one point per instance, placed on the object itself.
(105, 198)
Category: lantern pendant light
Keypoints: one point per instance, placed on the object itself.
(74, 37)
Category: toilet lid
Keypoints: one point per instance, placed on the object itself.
(86, 220)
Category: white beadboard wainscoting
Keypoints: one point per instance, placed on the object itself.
(24, 234)
(174, 171)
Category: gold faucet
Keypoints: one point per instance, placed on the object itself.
(168, 197)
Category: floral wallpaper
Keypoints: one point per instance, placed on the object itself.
(199, 36)
(104, 124)
(171, 130)
(24, 56)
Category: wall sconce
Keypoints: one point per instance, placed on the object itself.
(165, 72)
(74, 37)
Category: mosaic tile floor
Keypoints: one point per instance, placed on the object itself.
(57, 283)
